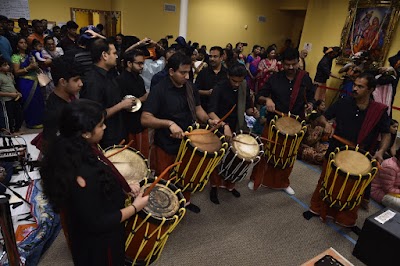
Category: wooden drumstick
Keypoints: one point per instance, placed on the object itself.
(122, 142)
(223, 118)
(344, 141)
(269, 140)
(197, 133)
(280, 113)
(236, 140)
(147, 192)
(118, 151)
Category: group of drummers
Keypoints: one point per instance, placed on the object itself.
(103, 195)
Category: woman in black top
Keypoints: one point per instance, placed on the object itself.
(86, 188)
(324, 71)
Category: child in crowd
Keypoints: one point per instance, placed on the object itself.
(320, 107)
(10, 109)
(260, 122)
(385, 187)
(312, 149)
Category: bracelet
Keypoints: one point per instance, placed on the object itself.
(171, 124)
(134, 207)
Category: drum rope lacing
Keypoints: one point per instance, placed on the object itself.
(161, 238)
(203, 177)
(294, 145)
(352, 200)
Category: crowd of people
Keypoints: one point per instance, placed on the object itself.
(83, 107)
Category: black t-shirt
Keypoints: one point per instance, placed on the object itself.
(67, 44)
(279, 89)
(166, 101)
(100, 86)
(83, 57)
(223, 98)
(349, 119)
(132, 84)
(207, 79)
(323, 69)
(51, 121)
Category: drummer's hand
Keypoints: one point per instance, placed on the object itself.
(176, 131)
(256, 113)
(135, 189)
(128, 103)
(227, 132)
(378, 156)
(270, 105)
(309, 108)
(212, 122)
(140, 202)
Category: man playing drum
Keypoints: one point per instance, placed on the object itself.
(287, 91)
(224, 96)
(171, 107)
(359, 120)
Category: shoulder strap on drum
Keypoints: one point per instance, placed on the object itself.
(191, 101)
(372, 117)
(296, 88)
(118, 177)
(241, 106)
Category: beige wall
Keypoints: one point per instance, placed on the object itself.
(59, 10)
(147, 18)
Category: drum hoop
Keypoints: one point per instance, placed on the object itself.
(374, 164)
(258, 140)
(224, 143)
(131, 149)
(170, 220)
(296, 117)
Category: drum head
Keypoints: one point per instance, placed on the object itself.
(162, 201)
(208, 142)
(130, 164)
(288, 125)
(353, 162)
(246, 146)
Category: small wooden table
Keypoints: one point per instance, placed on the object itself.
(330, 251)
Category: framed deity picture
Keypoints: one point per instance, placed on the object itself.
(369, 26)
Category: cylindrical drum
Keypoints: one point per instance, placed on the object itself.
(200, 152)
(287, 133)
(132, 165)
(348, 173)
(244, 153)
(147, 231)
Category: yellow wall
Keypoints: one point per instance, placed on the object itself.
(210, 22)
(59, 10)
(147, 18)
(323, 27)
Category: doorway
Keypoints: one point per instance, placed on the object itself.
(111, 20)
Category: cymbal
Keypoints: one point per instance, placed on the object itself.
(137, 106)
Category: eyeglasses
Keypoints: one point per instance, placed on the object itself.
(139, 63)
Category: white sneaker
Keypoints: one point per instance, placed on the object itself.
(289, 190)
(250, 185)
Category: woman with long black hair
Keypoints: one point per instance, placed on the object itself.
(88, 191)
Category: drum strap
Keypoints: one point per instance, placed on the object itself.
(190, 100)
(119, 178)
(296, 88)
(241, 106)
(372, 117)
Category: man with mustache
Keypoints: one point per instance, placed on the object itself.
(359, 120)
(287, 91)
(210, 76)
